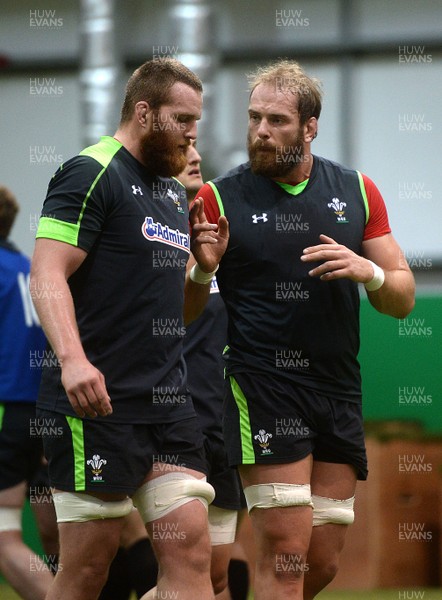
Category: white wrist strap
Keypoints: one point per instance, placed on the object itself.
(199, 276)
(378, 278)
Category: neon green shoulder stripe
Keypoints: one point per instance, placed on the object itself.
(364, 196)
(218, 197)
(76, 427)
(55, 229)
(248, 454)
(178, 181)
(104, 151)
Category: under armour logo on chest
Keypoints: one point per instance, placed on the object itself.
(262, 218)
(136, 190)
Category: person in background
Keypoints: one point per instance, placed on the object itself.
(22, 351)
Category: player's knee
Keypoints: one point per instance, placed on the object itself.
(290, 566)
(329, 510)
(219, 577)
(159, 497)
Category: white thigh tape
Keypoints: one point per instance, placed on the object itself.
(10, 519)
(272, 495)
(222, 525)
(78, 507)
(158, 497)
(328, 510)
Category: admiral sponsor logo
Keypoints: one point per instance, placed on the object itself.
(158, 232)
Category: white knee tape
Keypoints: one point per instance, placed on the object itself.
(222, 525)
(78, 507)
(272, 495)
(158, 497)
(328, 510)
(10, 518)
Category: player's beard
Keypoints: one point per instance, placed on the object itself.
(161, 155)
(274, 161)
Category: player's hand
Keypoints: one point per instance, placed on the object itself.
(338, 262)
(209, 241)
(85, 388)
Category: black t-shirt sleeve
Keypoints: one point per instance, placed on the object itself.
(76, 204)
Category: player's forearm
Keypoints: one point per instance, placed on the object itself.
(396, 297)
(55, 308)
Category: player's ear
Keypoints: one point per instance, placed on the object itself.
(310, 130)
(143, 113)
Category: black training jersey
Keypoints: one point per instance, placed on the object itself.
(281, 320)
(128, 292)
(205, 340)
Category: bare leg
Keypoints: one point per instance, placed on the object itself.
(282, 535)
(337, 481)
(20, 566)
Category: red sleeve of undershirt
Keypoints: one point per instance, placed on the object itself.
(377, 224)
(211, 208)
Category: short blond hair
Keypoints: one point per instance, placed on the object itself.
(288, 75)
